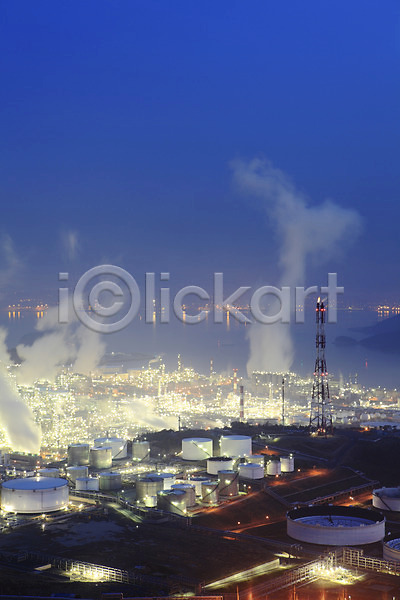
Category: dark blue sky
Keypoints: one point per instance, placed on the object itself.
(119, 121)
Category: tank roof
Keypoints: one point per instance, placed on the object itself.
(236, 437)
(34, 483)
(109, 439)
(197, 439)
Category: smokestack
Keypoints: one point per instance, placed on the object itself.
(241, 404)
(283, 402)
(235, 380)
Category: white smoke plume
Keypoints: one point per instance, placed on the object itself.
(143, 413)
(70, 243)
(305, 232)
(16, 418)
(58, 345)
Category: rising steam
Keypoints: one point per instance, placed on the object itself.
(16, 418)
(58, 345)
(305, 232)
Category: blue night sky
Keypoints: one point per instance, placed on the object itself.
(119, 122)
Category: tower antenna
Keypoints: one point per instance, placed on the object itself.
(321, 406)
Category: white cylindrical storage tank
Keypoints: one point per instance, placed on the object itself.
(209, 492)
(274, 467)
(386, 499)
(173, 501)
(140, 450)
(34, 495)
(118, 446)
(78, 454)
(189, 490)
(219, 463)
(74, 472)
(150, 501)
(110, 481)
(335, 525)
(251, 471)
(228, 483)
(197, 481)
(168, 479)
(235, 445)
(287, 463)
(258, 459)
(101, 458)
(148, 486)
(87, 484)
(197, 448)
(391, 549)
(48, 472)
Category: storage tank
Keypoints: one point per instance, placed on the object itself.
(78, 454)
(140, 450)
(335, 525)
(189, 490)
(34, 495)
(101, 458)
(110, 481)
(74, 472)
(274, 467)
(150, 501)
(48, 472)
(197, 481)
(251, 471)
(386, 499)
(87, 484)
(219, 463)
(148, 486)
(228, 483)
(258, 459)
(209, 492)
(287, 463)
(119, 447)
(391, 549)
(197, 448)
(173, 501)
(235, 445)
(168, 479)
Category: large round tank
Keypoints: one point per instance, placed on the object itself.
(228, 483)
(287, 463)
(251, 471)
(74, 472)
(101, 458)
(173, 501)
(189, 490)
(197, 448)
(78, 454)
(258, 459)
(391, 549)
(386, 499)
(110, 481)
(219, 463)
(235, 445)
(335, 525)
(274, 467)
(140, 450)
(197, 481)
(87, 484)
(168, 479)
(48, 472)
(209, 492)
(118, 446)
(148, 486)
(34, 495)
